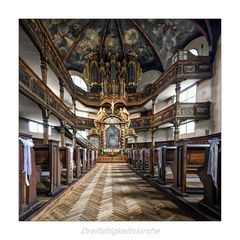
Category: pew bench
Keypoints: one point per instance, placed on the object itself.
(164, 165)
(189, 158)
(47, 159)
(28, 201)
(212, 180)
(67, 165)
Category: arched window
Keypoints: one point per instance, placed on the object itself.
(194, 51)
(79, 82)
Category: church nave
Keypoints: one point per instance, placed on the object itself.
(112, 192)
(129, 131)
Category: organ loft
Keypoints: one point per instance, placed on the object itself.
(119, 120)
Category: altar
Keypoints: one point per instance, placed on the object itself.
(110, 132)
(113, 159)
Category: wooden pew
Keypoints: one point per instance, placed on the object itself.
(94, 156)
(47, 158)
(134, 160)
(28, 201)
(212, 193)
(83, 161)
(92, 159)
(188, 159)
(130, 156)
(168, 155)
(151, 162)
(66, 165)
(142, 153)
(88, 160)
(138, 159)
(146, 161)
(77, 160)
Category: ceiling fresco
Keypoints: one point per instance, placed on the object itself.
(153, 40)
(134, 41)
(168, 35)
(63, 32)
(89, 41)
(112, 42)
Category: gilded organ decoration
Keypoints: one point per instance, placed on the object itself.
(114, 76)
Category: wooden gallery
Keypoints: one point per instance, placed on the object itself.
(119, 119)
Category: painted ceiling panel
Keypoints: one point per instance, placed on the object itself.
(63, 32)
(134, 41)
(89, 41)
(112, 43)
(168, 35)
(155, 41)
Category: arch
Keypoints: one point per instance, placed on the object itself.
(200, 44)
(78, 80)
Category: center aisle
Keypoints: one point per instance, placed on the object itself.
(112, 192)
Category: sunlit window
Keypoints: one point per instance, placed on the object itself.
(82, 133)
(189, 95)
(79, 82)
(194, 52)
(82, 114)
(38, 128)
(188, 127)
(33, 127)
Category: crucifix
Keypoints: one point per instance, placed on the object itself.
(112, 107)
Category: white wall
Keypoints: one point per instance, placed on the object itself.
(24, 128)
(200, 44)
(210, 90)
(146, 136)
(55, 135)
(148, 77)
(216, 91)
(28, 52)
(52, 81)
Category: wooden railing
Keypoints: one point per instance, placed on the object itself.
(188, 67)
(183, 111)
(32, 86)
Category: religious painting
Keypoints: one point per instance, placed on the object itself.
(112, 137)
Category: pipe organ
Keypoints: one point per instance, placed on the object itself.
(113, 77)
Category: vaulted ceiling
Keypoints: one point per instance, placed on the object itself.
(154, 40)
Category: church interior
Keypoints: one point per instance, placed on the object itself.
(119, 120)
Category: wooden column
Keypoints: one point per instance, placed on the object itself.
(62, 133)
(153, 106)
(177, 109)
(74, 137)
(153, 136)
(43, 69)
(176, 130)
(45, 116)
(178, 91)
(74, 105)
(61, 89)
(153, 129)
(77, 159)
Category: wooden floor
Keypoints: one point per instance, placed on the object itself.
(112, 192)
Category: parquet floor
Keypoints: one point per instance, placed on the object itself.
(112, 192)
